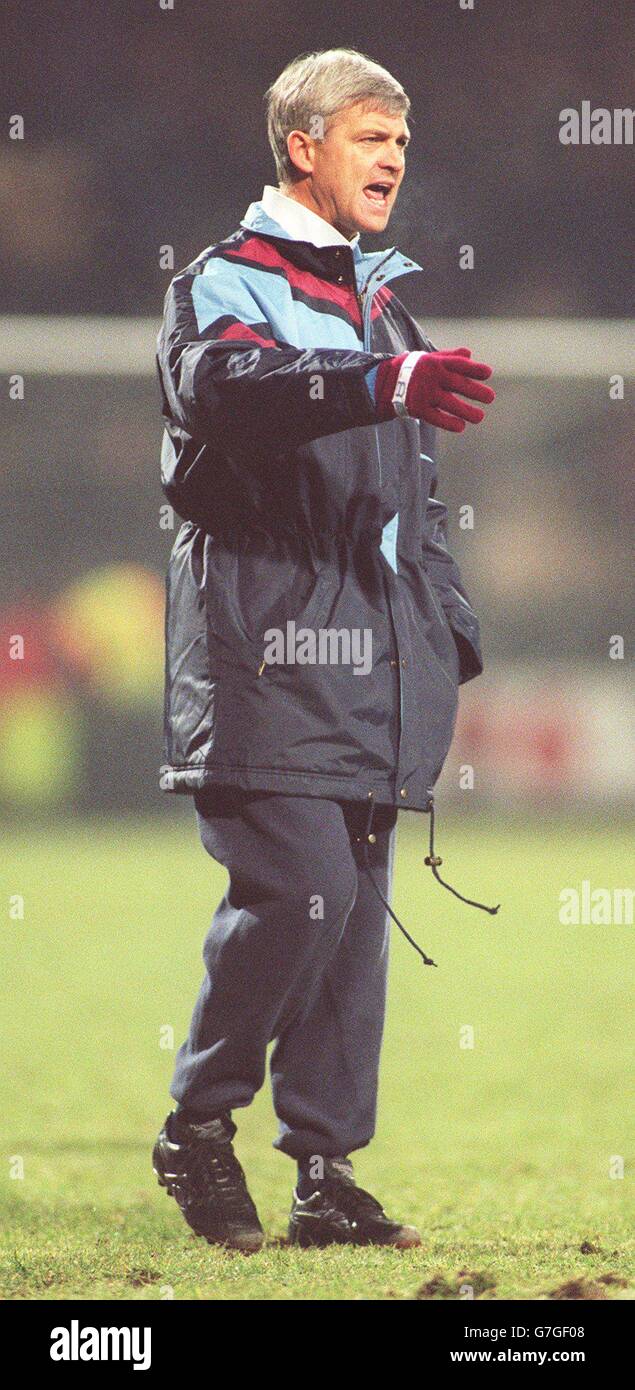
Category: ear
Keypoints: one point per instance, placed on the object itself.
(301, 149)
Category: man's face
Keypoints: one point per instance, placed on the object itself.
(356, 170)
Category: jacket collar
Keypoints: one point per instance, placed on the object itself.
(300, 223)
(258, 218)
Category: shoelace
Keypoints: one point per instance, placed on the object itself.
(345, 1196)
(431, 859)
(216, 1170)
(356, 1199)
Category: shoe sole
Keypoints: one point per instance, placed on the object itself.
(407, 1239)
(249, 1244)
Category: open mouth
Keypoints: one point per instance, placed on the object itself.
(378, 193)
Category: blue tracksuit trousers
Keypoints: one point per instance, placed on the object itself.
(297, 952)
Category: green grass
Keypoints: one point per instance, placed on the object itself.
(500, 1153)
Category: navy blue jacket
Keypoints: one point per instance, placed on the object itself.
(301, 512)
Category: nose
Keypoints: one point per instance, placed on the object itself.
(393, 159)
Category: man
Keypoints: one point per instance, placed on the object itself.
(300, 401)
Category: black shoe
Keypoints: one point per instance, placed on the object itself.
(341, 1213)
(197, 1164)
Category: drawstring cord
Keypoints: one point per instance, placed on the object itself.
(366, 840)
(432, 860)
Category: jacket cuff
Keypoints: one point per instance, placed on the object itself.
(385, 383)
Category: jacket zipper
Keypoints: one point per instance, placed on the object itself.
(363, 300)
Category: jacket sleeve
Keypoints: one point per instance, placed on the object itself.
(226, 381)
(444, 574)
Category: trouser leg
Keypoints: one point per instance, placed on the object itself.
(268, 944)
(325, 1064)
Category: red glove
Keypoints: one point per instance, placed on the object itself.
(424, 387)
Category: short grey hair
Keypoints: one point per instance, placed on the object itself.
(317, 86)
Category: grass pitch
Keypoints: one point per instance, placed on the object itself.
(507, 1154)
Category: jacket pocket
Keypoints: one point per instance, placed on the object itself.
(252, 592)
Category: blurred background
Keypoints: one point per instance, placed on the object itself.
(144, 129)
